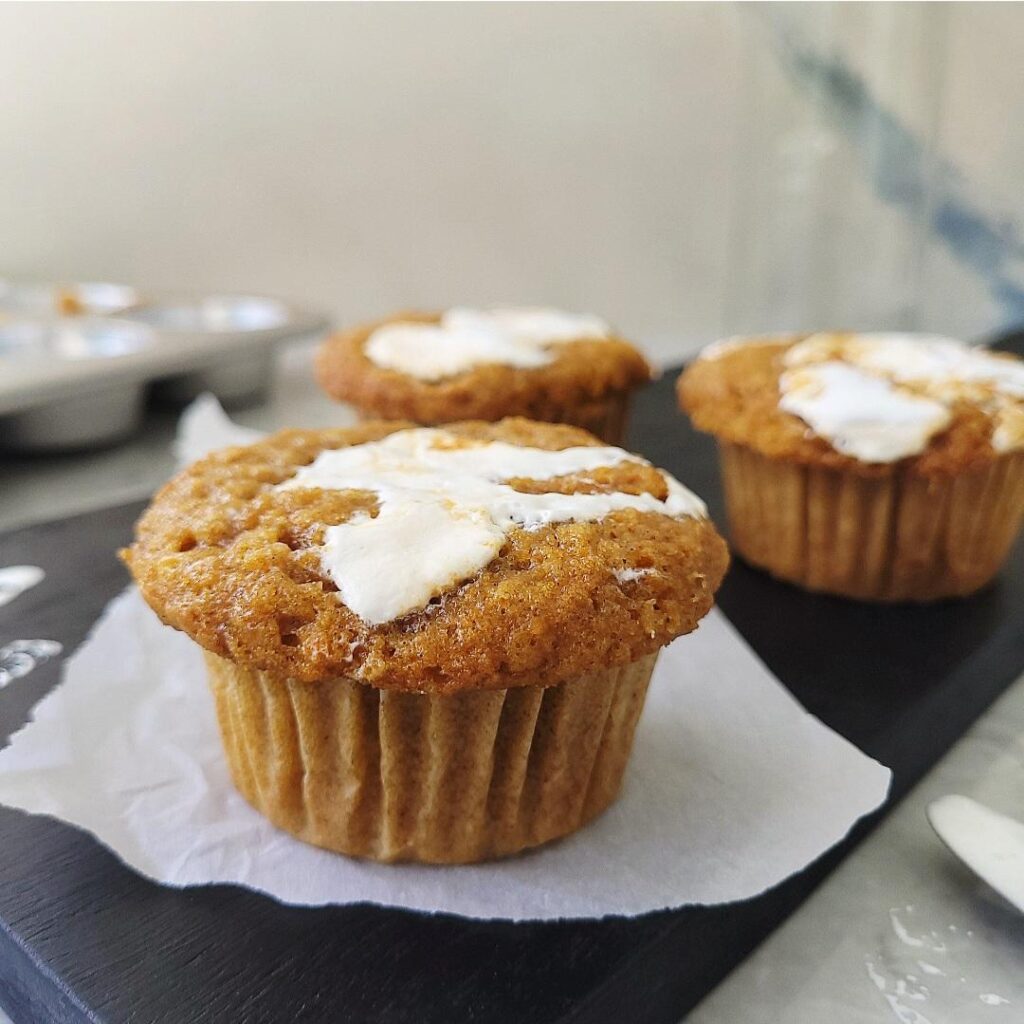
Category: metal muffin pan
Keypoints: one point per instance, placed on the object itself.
(78, 381)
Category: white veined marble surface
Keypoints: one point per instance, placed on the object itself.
(902, 931)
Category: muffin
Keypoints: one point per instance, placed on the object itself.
(428, 644)
(435, 368)
(885, 467)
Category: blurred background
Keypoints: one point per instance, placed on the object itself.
(684, 170)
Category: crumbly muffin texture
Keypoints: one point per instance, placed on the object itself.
(733, 392)
(228, 557)
(580, 374)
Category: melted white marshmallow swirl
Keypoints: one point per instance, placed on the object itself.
(466, 338)
(860, 415)
(883, 397)
(444, 511)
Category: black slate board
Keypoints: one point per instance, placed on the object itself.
(82, 938)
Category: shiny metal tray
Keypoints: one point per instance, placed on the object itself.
(78, 361)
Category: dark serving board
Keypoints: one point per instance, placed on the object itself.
(83, 938)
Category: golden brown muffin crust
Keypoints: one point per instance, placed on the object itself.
(226, 557)
(735, 396)
(580, 373)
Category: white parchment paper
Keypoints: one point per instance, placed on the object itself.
(732, 786)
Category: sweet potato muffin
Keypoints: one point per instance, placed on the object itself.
(435, 368)
(428, 644)
(875, 466)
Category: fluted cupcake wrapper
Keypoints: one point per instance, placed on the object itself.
(415, 776)
(604, 418)
(893, 538)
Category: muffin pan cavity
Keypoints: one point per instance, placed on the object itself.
(71, 338)
(99, 298)
(215, 314)
(71, 378)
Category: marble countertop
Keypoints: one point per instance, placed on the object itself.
(900, 932)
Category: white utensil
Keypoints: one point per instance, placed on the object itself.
(989, 843)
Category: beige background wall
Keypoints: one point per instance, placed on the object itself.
(363, 157)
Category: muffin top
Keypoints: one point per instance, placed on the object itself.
(866, 402)
(478, 364)
(475, 556)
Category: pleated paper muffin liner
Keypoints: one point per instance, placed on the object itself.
(894, 538)
(423, 777)
(604, 418)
